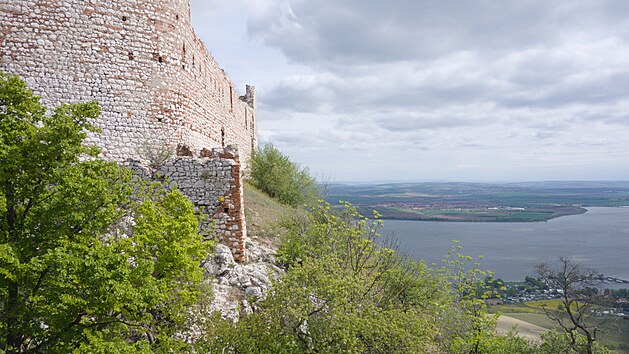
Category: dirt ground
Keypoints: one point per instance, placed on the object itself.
(525, 330)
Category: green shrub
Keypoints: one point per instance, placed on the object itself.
(342, 293)
(76, 275)
(275, 174)
(348, 291)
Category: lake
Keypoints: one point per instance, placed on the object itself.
(598, 239)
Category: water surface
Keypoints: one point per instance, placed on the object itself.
(598, 239)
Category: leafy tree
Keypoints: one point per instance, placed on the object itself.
(347, 291)
(275, 174)
(535, 283)
(89, 260)
(509, 343)
(466, 321)
(556, 341)
(341, 293)
(576, 287)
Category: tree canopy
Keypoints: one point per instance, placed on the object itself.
(91, 260)
(275, 174)
(346, 290)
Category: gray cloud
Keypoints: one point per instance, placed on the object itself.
(442, 89)
(329, 32)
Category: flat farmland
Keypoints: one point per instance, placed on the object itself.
(480, 202)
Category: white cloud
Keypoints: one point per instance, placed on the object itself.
(408, 89)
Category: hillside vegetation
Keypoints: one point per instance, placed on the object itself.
(273, 173)
(347, 290)
(94, 261)
(91, 259)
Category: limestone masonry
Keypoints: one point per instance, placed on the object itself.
(156, 82)
(213, 183)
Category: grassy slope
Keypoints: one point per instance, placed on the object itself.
(262, 213)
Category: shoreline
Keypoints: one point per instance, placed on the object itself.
(583, 210)
(471, 219)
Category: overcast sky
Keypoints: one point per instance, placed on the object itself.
(373, 90)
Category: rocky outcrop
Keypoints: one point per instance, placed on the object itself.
(238, 286)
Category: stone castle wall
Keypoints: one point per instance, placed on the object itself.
(212, 181)
(155, 80)
(141, 59)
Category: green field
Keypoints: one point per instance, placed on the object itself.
(523, 202)
(613, 330)
(480, 215)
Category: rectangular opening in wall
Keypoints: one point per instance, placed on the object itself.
(231, 98)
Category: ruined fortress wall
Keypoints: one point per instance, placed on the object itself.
(156, 82)
(141, 59)
(213, 184)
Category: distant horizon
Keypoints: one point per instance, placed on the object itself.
(367, 182)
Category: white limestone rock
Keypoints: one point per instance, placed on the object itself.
(254, 293)
(220, 263)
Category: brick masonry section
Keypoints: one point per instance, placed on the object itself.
(155, 80)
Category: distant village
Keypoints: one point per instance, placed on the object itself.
(612, 301)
